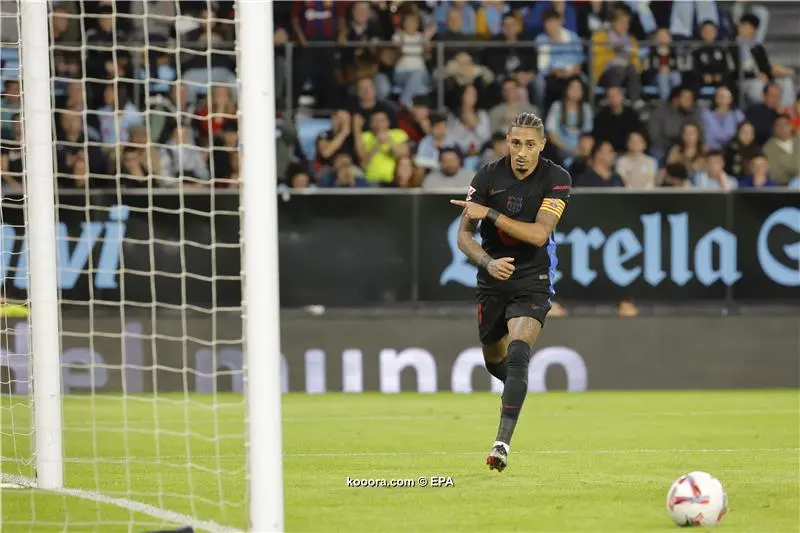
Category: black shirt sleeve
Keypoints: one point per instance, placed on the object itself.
(558, 193)
(478, 191)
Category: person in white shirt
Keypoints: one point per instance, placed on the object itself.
(715, 177)
(410, 70)
(637, 169)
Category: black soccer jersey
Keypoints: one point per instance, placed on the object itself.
(496, 186)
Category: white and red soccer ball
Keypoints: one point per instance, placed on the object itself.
(697, 499)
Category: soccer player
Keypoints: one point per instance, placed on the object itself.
(518, 200)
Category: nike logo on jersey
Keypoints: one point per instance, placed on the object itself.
(492, 192)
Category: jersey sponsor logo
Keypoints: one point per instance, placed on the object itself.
(514, 205)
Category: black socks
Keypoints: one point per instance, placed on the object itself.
(498, 370)
(516, 388)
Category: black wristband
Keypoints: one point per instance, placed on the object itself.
(485, 260)
(492, 215)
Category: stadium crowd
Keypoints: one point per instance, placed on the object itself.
(634, 94)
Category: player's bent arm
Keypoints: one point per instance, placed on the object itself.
(535, 233)
(469, 246)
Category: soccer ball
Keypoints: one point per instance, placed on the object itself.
(697, 499)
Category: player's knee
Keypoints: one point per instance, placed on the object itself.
(519, 355)
(493, 353)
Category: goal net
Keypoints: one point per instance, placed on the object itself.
(145, 126)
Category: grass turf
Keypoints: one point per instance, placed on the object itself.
(591, 462)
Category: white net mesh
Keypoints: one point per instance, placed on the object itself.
(146, 159)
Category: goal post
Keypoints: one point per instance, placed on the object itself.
(41, 229)
(261, 291)
(140, 378)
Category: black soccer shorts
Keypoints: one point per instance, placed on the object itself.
(495, 309)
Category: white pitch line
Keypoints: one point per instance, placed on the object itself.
(155, 512)
(237, 421)
(155, 459)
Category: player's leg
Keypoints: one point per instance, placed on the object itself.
(492, 329)
(494, 356)
(526, 314)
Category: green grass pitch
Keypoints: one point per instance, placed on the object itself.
(591, 462)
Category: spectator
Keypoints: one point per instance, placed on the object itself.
(406, 174)
(712, 62)
(12, 159)
(686, 14)
(637, 169)
(416, 122)
(285, 147)
(489, 18)
(362, 61)
(299, 178)
(367, 103)
(498, 148)
(410, 71)
(741, 8)
(615, 120)
(794, 114)
(453, 32)
(501, 115)
(741, 150)
(225, 156)
(568, 119)
(470, 127)
(219, 108)
(451, 173)
(662, 64)
(690, 150)
(379, 148)
(504, 60)
(721, 123)
(104, 60)
(666, 123)
(714, 176)
(343, 174)
(615, 55)
(438, 139)
(138, 143)
(134, 171)
(166, 113)
(314, 21)
(577, 164)
(759, 176)
(676, 176)
(601, 171)
(764, 114)
(117, 115)
(534, 19)
(466, 12)
(10, 105)
(72, 140)
(757, 69)
(183, 163)
(593, 16)
(335, 141)
(560, 57)
(783, 152)
(460, 72)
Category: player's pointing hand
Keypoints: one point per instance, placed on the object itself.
(472, 210)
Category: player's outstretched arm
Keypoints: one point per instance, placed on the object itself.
(535, 233)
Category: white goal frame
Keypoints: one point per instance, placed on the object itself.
(260, 293)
